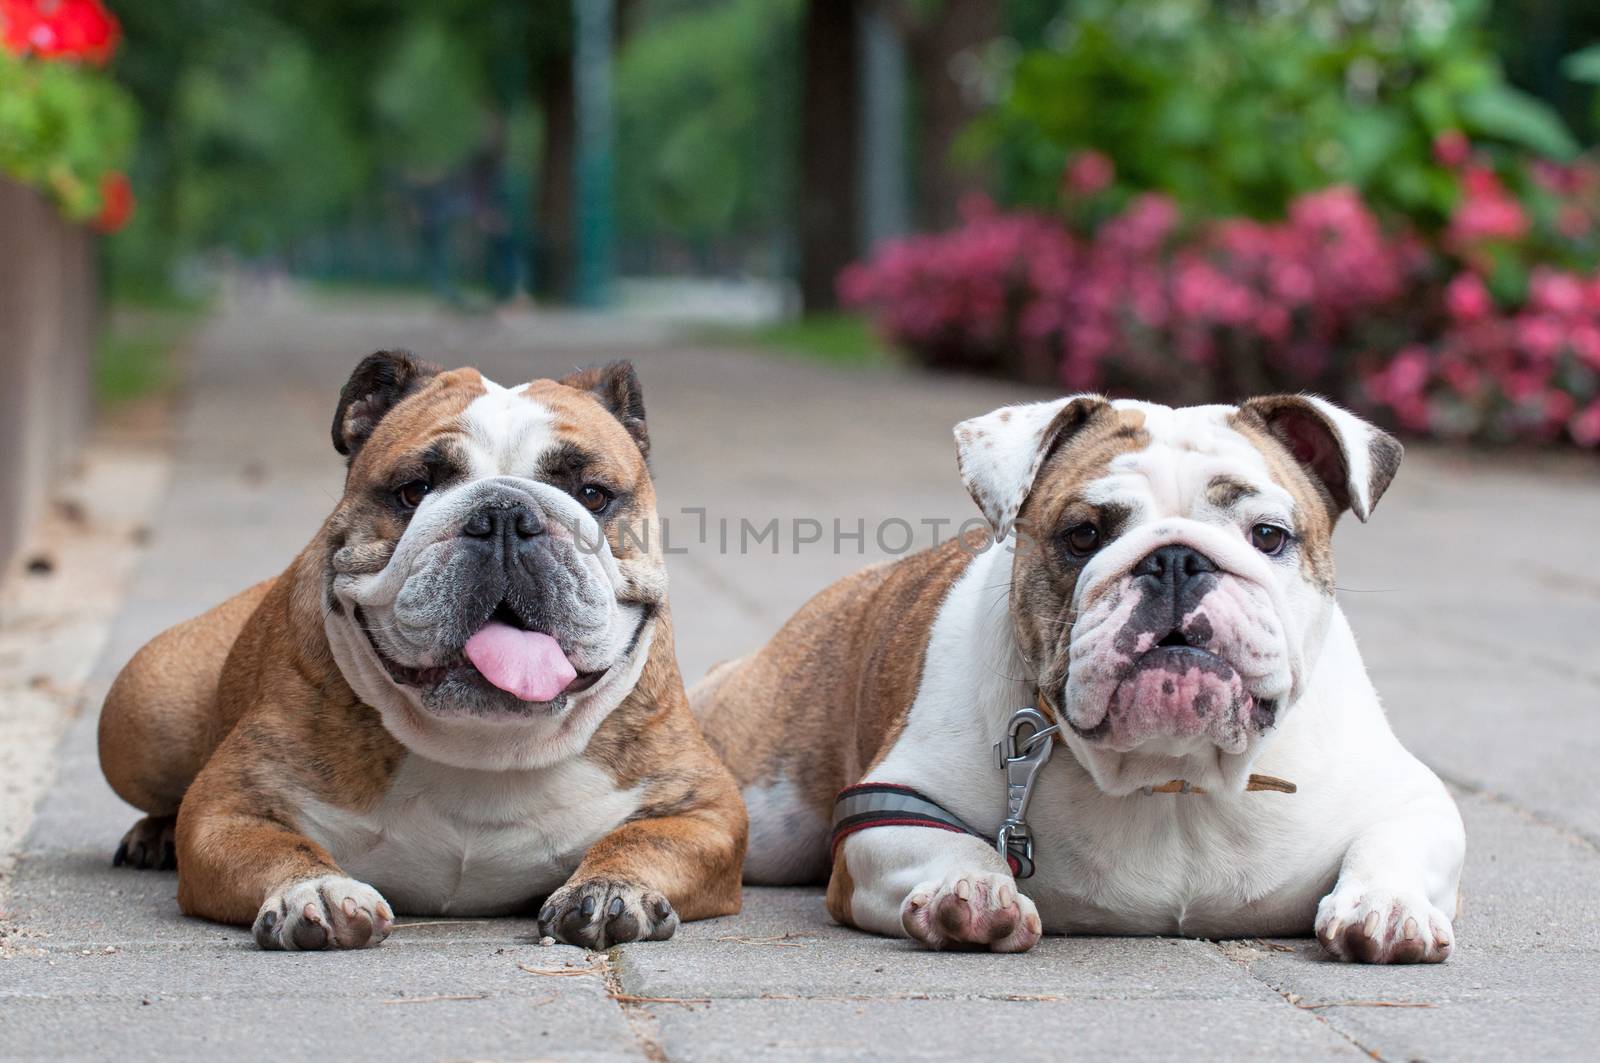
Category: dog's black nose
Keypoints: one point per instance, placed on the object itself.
(1174, 565)
(502, 521)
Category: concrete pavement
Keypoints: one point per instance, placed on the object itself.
(1472, 591)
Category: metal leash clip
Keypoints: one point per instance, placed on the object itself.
(1029, 741)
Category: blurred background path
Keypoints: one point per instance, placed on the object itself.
(1473, 592)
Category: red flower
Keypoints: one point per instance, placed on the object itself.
(58, 29)
(116, 194)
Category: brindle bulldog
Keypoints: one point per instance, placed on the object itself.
(460, 698)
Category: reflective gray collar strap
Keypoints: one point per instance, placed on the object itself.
(879, 804)
(1028, 743)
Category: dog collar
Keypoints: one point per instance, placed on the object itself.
(1027, 745)
(879, 804)
(1254, 784)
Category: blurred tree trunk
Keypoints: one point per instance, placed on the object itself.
(942, 43)
(829, 142)
(554, 241)
(555, 248)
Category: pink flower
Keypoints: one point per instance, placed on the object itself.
(1088, 173)
(1552, 176)
(1408, 373)
(1557, 292)
(1486, 211)
(1540, 336)
(1584, 340)
(1452, 149)
(1585, 427)
(1558, 407)
(1467, 298)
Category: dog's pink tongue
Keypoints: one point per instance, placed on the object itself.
(529, 664)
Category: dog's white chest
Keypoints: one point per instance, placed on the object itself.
(452, 841)
(1197, 869)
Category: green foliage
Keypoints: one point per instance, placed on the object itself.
(63, 126)
(703, 104)
(1238, 107)
(430, 101)
(1584, 67)
(274, 126)
(262, 153)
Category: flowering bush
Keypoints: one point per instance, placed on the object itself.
(1488, 330)
(1241, 107)
(65, 128)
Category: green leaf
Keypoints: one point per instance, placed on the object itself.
(1583, 65)
(1507, 114)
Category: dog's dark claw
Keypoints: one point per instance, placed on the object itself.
(599, 913)
(149, 845)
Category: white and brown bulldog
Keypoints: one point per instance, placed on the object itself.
(461, 698)
(1162, 595)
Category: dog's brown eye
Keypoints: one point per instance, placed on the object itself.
(1269, 539)
(593, 498)
(1082, 539)
(411, 494)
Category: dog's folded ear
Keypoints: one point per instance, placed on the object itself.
(376, 386)
(616, 387)
(1000, 453)
(1351, 459)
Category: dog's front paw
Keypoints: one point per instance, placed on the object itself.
(600, 912)
(1364, 925)
(149, 845)
(974, 909)
(331, 912)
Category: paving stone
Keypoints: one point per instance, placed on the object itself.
(848, 964)
(1048, 1031)
(331, 1026)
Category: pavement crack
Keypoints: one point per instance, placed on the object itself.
(642, 1020)
(1293, 1001)
(1571, 833)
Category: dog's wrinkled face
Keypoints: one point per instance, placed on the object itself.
(491, 579)
(1173, 578)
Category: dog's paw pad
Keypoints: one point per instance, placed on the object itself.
(975, 909)
(331, 912)
(149, 845)
(600, 912)
(1383, 926)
